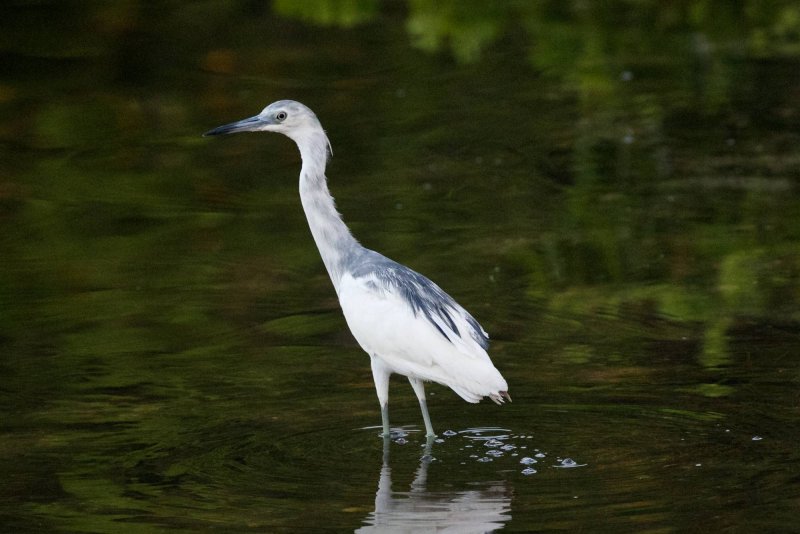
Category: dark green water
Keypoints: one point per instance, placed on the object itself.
(612, 191)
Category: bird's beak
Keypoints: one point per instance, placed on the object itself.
(252, 124)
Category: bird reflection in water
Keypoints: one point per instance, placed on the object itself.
(419, 510)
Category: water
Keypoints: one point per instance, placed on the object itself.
(611, 190)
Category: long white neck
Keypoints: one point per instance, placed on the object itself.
(333, 238)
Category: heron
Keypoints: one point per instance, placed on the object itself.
(406, 323)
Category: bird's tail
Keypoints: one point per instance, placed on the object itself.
(498, 397)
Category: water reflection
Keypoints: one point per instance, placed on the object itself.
(481, 509)
(609, 186)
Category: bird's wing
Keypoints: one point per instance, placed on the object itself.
(417, 329)
(424, 297)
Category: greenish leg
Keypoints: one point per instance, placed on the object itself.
(419, 389)
(427, 418)
(385, 420)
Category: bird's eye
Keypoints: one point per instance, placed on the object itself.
(281, 116)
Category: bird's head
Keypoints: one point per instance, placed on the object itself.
(288, 117)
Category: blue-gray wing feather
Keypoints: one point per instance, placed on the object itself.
(422, 295)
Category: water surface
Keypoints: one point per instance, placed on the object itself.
(610, 190)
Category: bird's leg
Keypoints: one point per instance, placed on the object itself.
(380, 374)
(385, 420)
(419, 389)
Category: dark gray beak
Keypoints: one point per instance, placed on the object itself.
(244, 125)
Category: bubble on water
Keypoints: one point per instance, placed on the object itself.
(485, 459)
(528, 461)
(539, 455)
(757, 438)
(528, 471)
(439, 440)
(401, 441)
(508, 447)
(473, 455)
(568, 463)
(486, 433)
(495, 453)
(449, 433)
(514, 454)
(493, 442)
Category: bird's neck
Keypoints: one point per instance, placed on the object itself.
(333, 239)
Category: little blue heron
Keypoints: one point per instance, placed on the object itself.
(405, 322)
